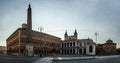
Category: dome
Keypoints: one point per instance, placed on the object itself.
(109, 41)
(24, 25)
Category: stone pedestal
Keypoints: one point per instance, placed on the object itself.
(29, 49)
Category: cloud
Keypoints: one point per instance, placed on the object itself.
(88, 15)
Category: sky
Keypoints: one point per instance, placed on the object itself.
(56, 16)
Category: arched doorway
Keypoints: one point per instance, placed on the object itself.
(91, 49)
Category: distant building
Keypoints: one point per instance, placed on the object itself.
(108, 48)
(3, 50)
(73, 45)
(118, 51)
(27, 41)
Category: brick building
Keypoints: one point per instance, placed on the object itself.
(108, 48)
(25, 40)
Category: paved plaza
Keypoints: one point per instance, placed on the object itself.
(84, 59)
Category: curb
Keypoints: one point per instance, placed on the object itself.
(75, 58)
(82, 58)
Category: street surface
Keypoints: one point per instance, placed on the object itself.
(100, 60)
(17, 59)
(22, 59)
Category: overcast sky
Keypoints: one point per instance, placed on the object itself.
(87, 16)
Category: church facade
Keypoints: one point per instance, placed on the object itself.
(73, 45)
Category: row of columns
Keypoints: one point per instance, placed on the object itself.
(73, 51)
(69, 44)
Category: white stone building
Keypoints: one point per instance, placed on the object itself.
(3, 50)
(72, 45)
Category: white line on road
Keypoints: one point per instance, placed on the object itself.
(45, 60)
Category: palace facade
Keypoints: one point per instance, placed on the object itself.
(42, 43)
(25, 41)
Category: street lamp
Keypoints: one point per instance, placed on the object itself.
(96, 34)
(40, 29)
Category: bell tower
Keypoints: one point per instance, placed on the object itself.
(66, 35)
(75, 34)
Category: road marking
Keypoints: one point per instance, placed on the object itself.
(44, 60)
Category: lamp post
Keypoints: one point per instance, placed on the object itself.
(40, 29)
(96, 34)
(118, 45)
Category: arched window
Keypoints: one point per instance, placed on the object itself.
(65, 44)
(90, 49)
(73, 44)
